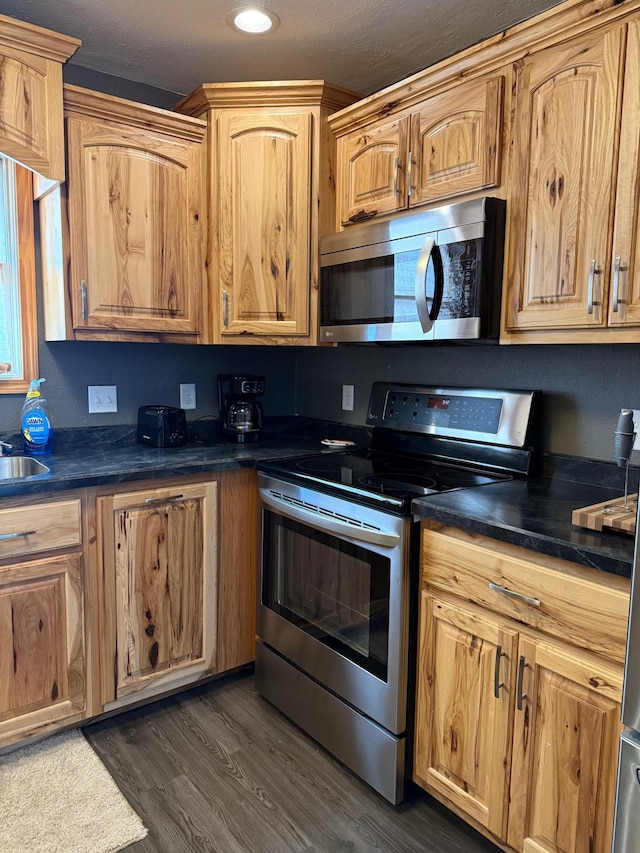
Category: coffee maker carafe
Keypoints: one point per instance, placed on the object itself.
(240, 411)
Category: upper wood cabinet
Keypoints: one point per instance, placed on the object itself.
(264, 229)
(272, 195)
(574, 207)
(135, 224)
(449, 146)
(31, 124)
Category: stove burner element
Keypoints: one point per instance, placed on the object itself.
(332, 464)
(453, 478)
(402, 485)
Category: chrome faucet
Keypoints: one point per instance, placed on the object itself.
(5, 448)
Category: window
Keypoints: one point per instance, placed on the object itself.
(18, 326)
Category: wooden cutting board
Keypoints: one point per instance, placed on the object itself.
(609, 514)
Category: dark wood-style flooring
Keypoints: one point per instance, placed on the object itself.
(218, 769)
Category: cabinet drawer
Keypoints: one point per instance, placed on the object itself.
(27, 530)
(579, 605)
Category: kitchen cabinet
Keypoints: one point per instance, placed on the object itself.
(135, 225)
(448, 146)
(519, 685)
(574, 199)
(31, 121)
(176, 583)
(272, 195)
(159, 564)
(42, 650)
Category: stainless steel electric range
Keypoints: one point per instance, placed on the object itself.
(338, 583)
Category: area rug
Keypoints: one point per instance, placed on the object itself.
(56, 796)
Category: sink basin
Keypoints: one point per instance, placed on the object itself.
(18, 467)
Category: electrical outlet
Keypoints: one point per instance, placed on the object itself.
(347, 398)
(636, 428)
(103, 398)
(188, 395)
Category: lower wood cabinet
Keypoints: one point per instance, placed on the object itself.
(43, 670)
(177, 571)
(516, 728)
(160, 585)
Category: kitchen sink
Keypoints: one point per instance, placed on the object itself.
(18, 467)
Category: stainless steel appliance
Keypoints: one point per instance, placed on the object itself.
(626, 832)
(338, 586)
(428, 276)
(240, 411)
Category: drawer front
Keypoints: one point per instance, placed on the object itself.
(27, 530)
(545, 593)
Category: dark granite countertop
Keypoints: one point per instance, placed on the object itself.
(536, 514)
(112, 455)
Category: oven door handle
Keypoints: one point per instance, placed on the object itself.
(327, 523)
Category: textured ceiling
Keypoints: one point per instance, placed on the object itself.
(361, 44)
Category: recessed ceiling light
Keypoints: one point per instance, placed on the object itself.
(252, 19)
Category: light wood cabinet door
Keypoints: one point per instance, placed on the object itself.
(42, 648)
(160, 583)
(134, 209)
(456, 142)
(464, 709)
(565, 750)
(31, 120)
(624, 301)
(371, 171)
(265, 220)
(566, 110)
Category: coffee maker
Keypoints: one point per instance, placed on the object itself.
(240, 411)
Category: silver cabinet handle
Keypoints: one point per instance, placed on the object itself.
(83, 297)
(4, 536)
(225, 309)
(395, 177)
(617, 269)
(520, 596)
(497, 684)
(421, 284)
(520, 697)
(409, 174)
(593, 272)
(163, 500)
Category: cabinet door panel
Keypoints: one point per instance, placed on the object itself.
(133, 209)
(265, 214)
(456, 142)
(160, 588)
(31, 111)
(372, 171)
(565, 747)
(42, 664)
(566, 108)
(463, 731)
(624, 304)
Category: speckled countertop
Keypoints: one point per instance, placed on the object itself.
(534, 513)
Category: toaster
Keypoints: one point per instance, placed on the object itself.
(162, 426)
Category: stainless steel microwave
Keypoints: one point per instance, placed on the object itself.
(429, 276)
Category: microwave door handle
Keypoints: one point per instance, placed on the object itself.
(438, 275)
(421, 284)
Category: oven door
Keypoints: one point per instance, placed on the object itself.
(333, 595)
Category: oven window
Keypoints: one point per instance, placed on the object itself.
(332, 590)
(378, 290)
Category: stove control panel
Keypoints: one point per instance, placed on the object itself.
(450, 411)
(492, 416)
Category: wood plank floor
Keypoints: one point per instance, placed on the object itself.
(218, 769)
